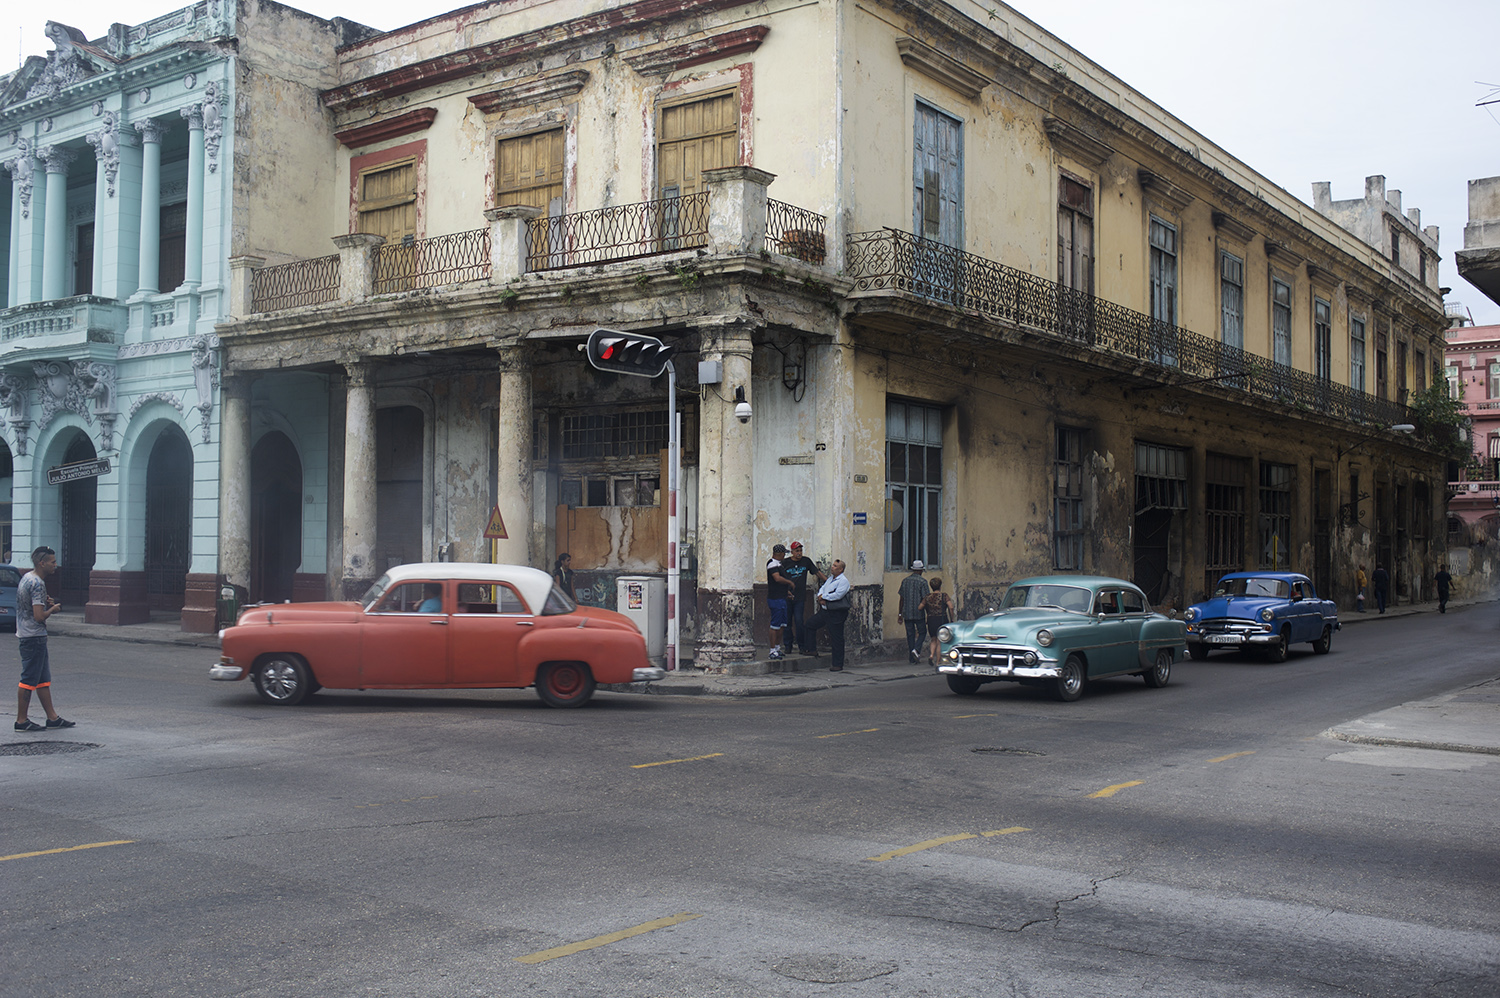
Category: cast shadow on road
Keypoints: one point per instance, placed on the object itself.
(415, 701)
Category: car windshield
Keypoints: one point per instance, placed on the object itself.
(9, 576)
(1072, 598)
(1254, 587)
(558, 602)
(376, 590)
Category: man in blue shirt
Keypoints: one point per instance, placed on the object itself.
(833, 612)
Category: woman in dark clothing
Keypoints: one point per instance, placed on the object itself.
(562, 574)
(937, 607)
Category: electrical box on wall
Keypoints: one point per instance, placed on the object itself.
(710, 372)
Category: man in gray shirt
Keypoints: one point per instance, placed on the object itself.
(33, 607)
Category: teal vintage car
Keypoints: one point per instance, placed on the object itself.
(1059, 632)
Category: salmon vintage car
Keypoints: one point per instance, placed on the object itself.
(438, 626)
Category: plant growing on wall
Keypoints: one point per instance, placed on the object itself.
(1441, 422)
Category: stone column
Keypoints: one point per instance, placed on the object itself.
(357, 264)
(20, 179)
(150, 242)
(727, 560)
(192, 266)
(737, 209)
(359, 569)
(508, 240)
(55, 240)
(234, 480)
(101, 209)
(513, 490)
(242, 285)
(29, 222)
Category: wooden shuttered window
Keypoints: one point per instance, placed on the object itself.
(388, 200)
(529, 171)
(696, 136)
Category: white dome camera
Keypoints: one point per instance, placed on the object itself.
(741, 406)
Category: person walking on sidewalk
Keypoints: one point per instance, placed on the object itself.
(778, 588)
(797, 568)
(1444, 581)
(1360, 583)
(1382, 580)
(936, 609)
(33, 607)
(913, 591)
(833, 613)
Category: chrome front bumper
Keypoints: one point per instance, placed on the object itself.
(1241, 640)
(649, 675)
(225, 671)
(998, 663)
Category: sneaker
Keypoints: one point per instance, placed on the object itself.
(913, 656)
(58, 722)
(775, 652)
(29, 726)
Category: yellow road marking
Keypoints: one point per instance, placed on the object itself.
(1110, 791)
(929, 844)
(668, 762)
(961, 716)
(49, 852)
(542, 956)
(1232, 755)
(861, 731)
(1005, 831)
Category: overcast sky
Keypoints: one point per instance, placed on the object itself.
(1301, 90)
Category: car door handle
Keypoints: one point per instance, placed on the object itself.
(525, 623)
(442, 622)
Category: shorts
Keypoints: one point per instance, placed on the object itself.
(778, 612)
(35, 670)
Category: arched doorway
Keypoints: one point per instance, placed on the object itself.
(77, 521)
(275, 517)
(169, 519)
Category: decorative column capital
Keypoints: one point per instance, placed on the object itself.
(515, 358)
(57, 158)
(359, 374)
(150, 130)
(194, 115)
(106, 143)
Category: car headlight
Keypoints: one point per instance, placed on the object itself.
(1044, 638)
(1267, 614)
(945, 634)
(1192, 613)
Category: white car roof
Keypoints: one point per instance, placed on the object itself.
(533, 584)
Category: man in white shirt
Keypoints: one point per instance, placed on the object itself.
(833, 612)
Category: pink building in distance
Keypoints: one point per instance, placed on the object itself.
(1472, 355)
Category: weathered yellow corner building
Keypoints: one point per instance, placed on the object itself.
(991, 308)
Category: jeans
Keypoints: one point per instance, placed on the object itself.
(834, 620)
(806, 643)
(916, 636)
(1380, 599)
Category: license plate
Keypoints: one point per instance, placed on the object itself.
(986, 670)
(1222, 639)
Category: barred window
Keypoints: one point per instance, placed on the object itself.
(1275, 515)
(1160, 477)
(914, 483)
(1067, 499)
(636, 433)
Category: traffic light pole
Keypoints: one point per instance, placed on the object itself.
(674, 475)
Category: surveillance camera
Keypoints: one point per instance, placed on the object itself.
(742, 411)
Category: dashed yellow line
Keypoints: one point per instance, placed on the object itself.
(1005, 831)
(1110, 791)
(542, 956)
(669, 762)
(1232, 755)
(959, 717)
(51, 852)
(929, 844)
(861, 731)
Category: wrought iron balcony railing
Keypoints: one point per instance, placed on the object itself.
(796, 232)
(295, 284)
(895, 261)
(456, 258)
(620, 232)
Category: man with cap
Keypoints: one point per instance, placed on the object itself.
(913, 589)
(797, 568)
(778, 590)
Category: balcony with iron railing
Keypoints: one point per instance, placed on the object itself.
(731, 216)
(891, 262)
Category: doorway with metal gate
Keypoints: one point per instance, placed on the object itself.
(77, 524)
(169, 519)
(275, 517)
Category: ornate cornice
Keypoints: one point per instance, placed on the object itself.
(660, 62)
(1282, 256)
(1231, 226)
(1070, 141)
(531, 93)
(924, 59)
(387, 128)
(1160, 187)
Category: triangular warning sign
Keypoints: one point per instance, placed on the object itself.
(495, 529)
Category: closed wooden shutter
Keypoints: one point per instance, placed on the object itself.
(388, 200)
(694, 137)
(530, 170)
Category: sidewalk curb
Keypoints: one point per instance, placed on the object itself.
(1355, 739)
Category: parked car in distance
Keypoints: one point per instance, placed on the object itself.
(1059, 632)
(437, 626)
(1270, 611)
(10, 578)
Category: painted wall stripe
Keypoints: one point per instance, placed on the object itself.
(1232, 755)
(929, 844)
(542, 956)
(669, 762)
(50, 852)
(1110, 791)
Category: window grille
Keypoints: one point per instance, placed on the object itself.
(1275, 515)
(636, 433)
(914, 483)
(1224, 516)
(1067, 499)
(1160, 477)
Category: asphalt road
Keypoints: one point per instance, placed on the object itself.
(1201, 840)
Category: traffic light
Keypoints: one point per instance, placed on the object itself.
(628, 353)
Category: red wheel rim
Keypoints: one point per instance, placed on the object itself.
(565, 681)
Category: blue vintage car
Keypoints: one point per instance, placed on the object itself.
(1270, 611)
(1059, 632)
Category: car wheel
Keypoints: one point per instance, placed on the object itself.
(964, 685)
(1324, 643)
(1068, 686)
(1277, 652)
(1198, 652)
(564, 684)
(1158, 675)
(283, 680)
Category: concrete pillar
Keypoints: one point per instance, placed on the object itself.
(728, 564)
(192, 265)
(737, 209)
(508, 240)
(513, 490)
(357, 264)
(101, 211)
(117, 242)
(150, 242)
(234, 480)
(359, 569)
(20, 174)
(241, 285)
(31, 188)
(55, 240)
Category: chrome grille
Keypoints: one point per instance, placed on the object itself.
(1229, 625)
(992, 655)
